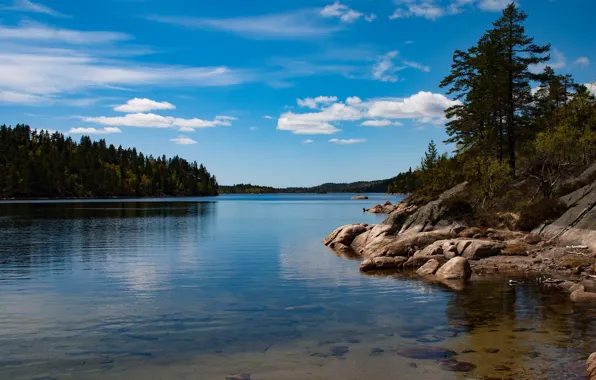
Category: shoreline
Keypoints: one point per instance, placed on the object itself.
(441, 241)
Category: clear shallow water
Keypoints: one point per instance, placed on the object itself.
(202, 288)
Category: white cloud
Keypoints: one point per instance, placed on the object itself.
(183, 140)
(94, 131)
(20, 98)
(268, 117)
(408, 42)
(420, 105)
(341, 11)
(583, 61)
(290, 122)
(371, 17)
(493, 5)
(353, 100)
(37, 32)
(591, 87)
(380, 123)
(151, 120)
(424, 106)
(384, 70)
(221, 117)
(435, 9)
(253, 128)
(308, 141)
(347, 141)
(30, 6)
(68, 72)
(143, 105)
(314, 102)
(420, 128)
(293, 25)
(417, 66)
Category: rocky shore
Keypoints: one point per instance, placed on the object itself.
(440, 241)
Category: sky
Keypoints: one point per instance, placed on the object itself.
(278, 93)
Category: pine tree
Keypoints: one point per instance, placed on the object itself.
(520, 53)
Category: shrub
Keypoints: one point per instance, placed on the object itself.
(532, 215)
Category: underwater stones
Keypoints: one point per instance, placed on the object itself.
(426, 353)
(491, 350)
(339, 350)
(376, 351)
(453, 365)
(238, 376)
(581, 296)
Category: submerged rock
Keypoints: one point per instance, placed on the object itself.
(339, 350)
(238, 376)
(581, 296)
(453, 365)
(359, 197)
(426, 352)
(458, 268)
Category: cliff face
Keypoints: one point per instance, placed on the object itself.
(577, 226)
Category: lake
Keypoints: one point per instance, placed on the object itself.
(204, 288)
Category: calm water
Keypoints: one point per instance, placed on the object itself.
(208, 287)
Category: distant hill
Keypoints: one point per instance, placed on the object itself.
(379, 186)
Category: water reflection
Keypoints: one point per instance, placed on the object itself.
(158, 289)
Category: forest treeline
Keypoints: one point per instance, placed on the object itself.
(521, 130)
(379, 186)
(39, 164)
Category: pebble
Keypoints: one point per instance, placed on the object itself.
(491, 350)
(376, 351)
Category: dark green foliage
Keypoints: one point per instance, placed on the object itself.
(37, 164)
(354, 187)
(532, 215)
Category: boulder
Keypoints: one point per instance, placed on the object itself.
(581, 296)
(533, 239)
(405, 245)
(462, 245)
(345, 234)
(480, 249)
(577, 226)
(434, 249)
(387, 203)
(429, 268)
(457, 268)
(359, 197)
(471, 232)
(591, 367)
(446, 208)
(382, 263)
(376, 209)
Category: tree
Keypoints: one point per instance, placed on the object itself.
(37, 164)
(519, 53)
(492, 80)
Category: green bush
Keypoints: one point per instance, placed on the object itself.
(532, 215)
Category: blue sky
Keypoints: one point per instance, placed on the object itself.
(282, 93)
